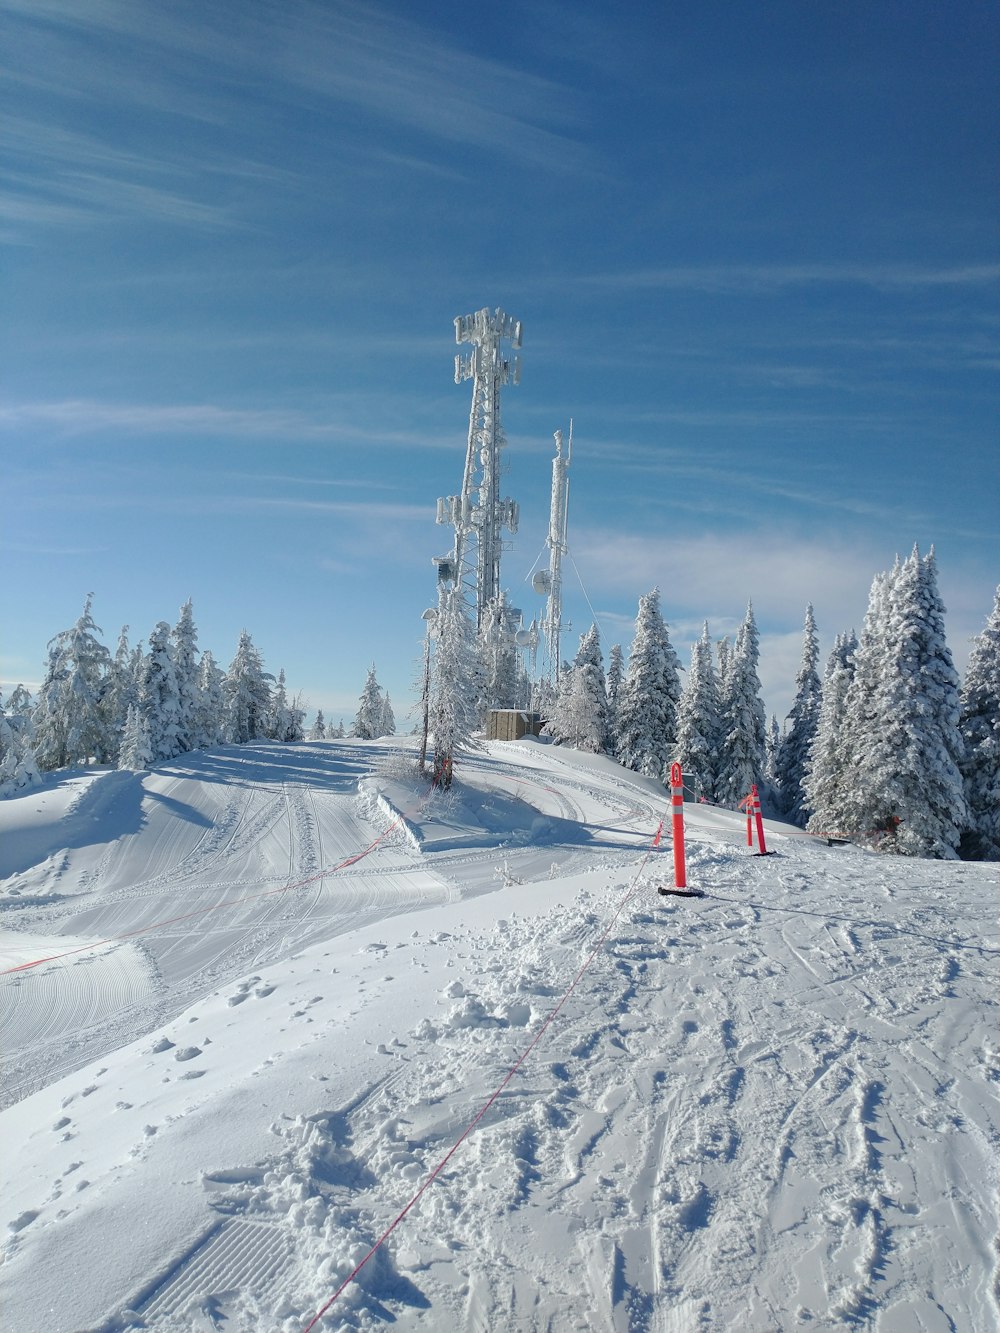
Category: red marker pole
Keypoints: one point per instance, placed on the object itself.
(748, 803)
(755, 800)
(677, 813)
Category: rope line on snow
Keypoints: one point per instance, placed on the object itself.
(553, 1013)
(213, 907)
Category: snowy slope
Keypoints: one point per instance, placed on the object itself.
(264, 1024)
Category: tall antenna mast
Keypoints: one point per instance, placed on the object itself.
(549, 581)
(479, 514)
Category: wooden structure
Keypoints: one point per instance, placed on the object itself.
(510, 724)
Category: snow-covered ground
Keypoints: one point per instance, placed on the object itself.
(274, 1002)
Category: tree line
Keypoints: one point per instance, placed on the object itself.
(139, 706)
(889, 748)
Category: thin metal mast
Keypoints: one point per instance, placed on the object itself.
(549, 581)
(479, 515)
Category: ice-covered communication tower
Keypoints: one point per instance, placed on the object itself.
(548, 582)
(479, 515)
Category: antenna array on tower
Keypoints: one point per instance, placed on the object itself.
(478, 514)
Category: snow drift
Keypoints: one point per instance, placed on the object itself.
(272, 1006)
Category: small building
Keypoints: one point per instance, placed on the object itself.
(510, 724)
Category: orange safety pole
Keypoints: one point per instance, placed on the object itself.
(677, 812)
(755, 800)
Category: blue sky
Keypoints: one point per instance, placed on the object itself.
(754, 249)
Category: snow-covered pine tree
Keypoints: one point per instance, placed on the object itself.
(616, 674)
(581, 713)
(697, 747)
(318, 729)
(910, 769)
(498, 654)
(184, 650)
(121, 690)
(800, 729)
(725, 656)
(368, 719)
(135, 752)
(69, 721)
(772, 744)
(979, 723)
(208, 722)
(18, 766)
(282, 724)
(544, 700)
(247, 694)
(453, 713)
(336, 733)
(742, 757)
(159, 696)
(297, 717)
(388, 717)
(860, 726)
(826, 779)
(649, 695)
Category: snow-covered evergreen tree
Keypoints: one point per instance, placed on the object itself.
(649, 695)
(285, 721)
(616, 674)
(297, 711)
(18, 765)
(698, 722)
(909, 768)
(336, 733)
(772, 744)
(247, 693)
(979, 723)
(121, 690)
(208, 725)
(70, 725)
(800, 730)
(453, 714)
(388, 717)
(498, 655)
(318, 729)
(544, 700)
(742, 751)
(136, 751)
(580, 717)
(159, 696)
(184, 650)
(827, 777)
(859, 732)
(368, 719)
(725, 661)
(581, 714)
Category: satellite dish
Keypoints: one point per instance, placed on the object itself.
(522, 638)
(541, 581)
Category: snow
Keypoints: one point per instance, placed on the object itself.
(771, 1108)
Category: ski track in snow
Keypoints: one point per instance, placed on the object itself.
(771, 1108)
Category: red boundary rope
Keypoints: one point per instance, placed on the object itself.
(489, 1102)
(214, 907)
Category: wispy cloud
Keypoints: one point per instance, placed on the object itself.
(754, 279)
(78, 417)
(391, 68)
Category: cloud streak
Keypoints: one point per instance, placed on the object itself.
(758, 279)
(81, 417)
